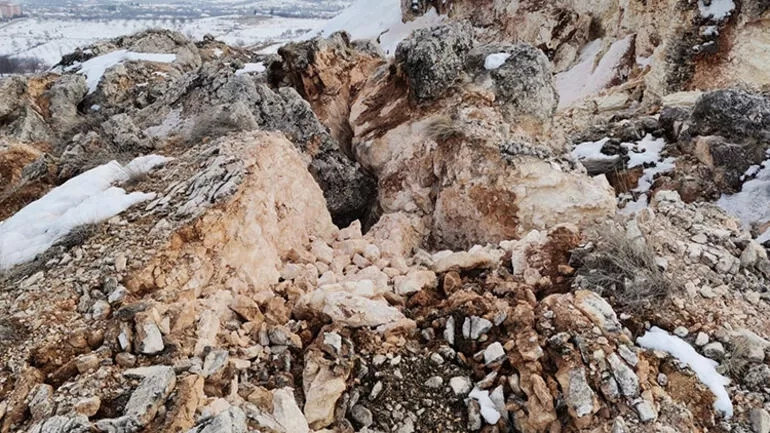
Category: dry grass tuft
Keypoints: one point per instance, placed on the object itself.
(443, 128)
(622, 269)
(737, 363)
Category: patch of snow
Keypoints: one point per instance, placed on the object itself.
(717, 9)
(592, 150)
(85, 199)
(251, 67)
(379, 20)
(645, 153)
(589, 77)
(752, 204)
(95, 68)
(96, 107)
(50, 38)
(710, 31)
(218, 52)
(494, 61)
(488, 409)
(751, 172)
(704, 368)
(643, 62)
(635, 206)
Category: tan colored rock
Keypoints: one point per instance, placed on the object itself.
(189, 397)
(276, 208)
(329, 73)
(398, 234)
(476, 258)
(286, 412)
(353, 305)
(88, 406)
(16, 401)
(245, 307)
(323, 386)
(415, 281)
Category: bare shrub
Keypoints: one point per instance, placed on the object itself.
(442, 128)
(737, 363)
(622, 269)
(22, 65)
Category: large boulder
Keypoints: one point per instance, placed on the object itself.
(734, 114)
(21, 114)
(328, 73)
(521, 77)
(433, 58)
(63, 99)
(461, 161)
(223, 102)
(274, 206)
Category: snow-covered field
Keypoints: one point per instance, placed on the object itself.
(49, 39)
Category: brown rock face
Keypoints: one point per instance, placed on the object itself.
(329, 73)
(459, 161)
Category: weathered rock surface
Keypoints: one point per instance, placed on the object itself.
(433, 59)
(457, 294)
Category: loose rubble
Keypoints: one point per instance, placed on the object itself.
(350, 242)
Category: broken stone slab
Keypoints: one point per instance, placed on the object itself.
(476, 258)
(323, 387)
(62, 424)
(232, 420)
(760, 420)
(157, 383)
(493, 353)
(461, 385)
(148, 339)
(356, 310)
(598, 310)
(215, 361)
(286, 412)
(645, 411)
(415, 281)
(474, 327)
(41, 404)
(578, 395)
(624, 375)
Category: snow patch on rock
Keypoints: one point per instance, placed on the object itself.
(750, 204)
(251, 67)
(95, 68)
(494, 61)
(588, 77)
(704, 368)
(645, 153)
(716, 9)
(379, 20)
(85, 199)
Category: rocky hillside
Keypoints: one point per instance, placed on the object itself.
(533, 217)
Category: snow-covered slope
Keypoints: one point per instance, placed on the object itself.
(85, 199)
(380, 20)
(94, 68)
(50, 39)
